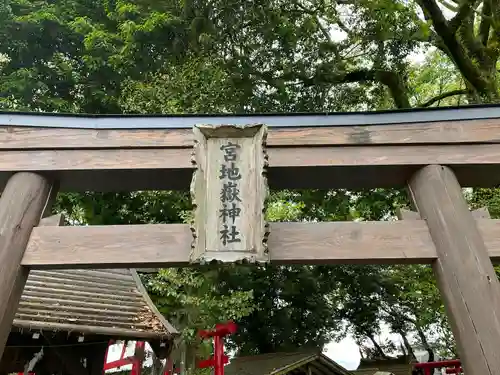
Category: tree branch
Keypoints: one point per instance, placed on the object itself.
(484, 26)
(453, 8)
(425, 343)
(471, 42)
(391, 79)
(378, 348)
(324, 75)
(463, 62)
(407, 344)
(464, 11)
(443, 96)
(495, 25)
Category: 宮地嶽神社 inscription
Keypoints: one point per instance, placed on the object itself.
(229, 189)
(230, 194)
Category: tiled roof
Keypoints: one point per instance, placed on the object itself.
(107, 302)
(283, 363)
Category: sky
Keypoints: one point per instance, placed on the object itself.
(345, 353)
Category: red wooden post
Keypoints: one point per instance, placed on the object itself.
(218, 355)
(219, 359)
(137, 361)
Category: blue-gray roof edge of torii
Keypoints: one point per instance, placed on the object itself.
(275, 120)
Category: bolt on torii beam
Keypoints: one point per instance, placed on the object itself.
(433, 152)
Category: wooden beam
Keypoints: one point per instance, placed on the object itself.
(93, 330)
(22, 204)
(127, 246)
(481, 213)
(439, 132)
(463, 270)
(162, 245)
(52, 221)
(135, 246)
(289, 167)
(405, 214)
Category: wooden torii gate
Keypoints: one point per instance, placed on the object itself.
(433, 152)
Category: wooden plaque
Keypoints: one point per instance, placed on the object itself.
(229, 190)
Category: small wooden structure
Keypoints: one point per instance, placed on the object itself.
(401, 365)
(298, 363)
(66, 319)
(433, 152)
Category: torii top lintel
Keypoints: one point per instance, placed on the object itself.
(277, 120)
(306, 151)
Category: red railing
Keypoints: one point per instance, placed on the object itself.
(123, 361)
(452, 366)
(218, 360)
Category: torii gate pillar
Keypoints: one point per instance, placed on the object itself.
(464, 272)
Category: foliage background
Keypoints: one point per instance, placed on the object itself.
(191, 56)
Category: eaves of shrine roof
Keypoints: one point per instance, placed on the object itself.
(285, 364)
(278, 120)
(112, 303)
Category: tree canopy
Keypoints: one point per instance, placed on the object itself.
(191, 56)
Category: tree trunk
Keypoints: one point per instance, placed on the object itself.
(425, 343)
(407, 345)
(378, 348)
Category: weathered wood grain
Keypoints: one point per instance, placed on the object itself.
(103, 276)
(481, 213)
(169, 244)
(349, 243)
(463, 270)
(405, 214)
(152, 307)
(71, 305)
(289, 167)
(301, 243)
(37, 315)
(83, 283)
(79, 275)
(90, 329)
(354, 156)
(65, 287)
(50, 221)
(472, 131)
(102, 159)
(384, 155)
(82, 296)
(21, 205)
(229, 191)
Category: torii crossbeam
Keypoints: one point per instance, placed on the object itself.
(434, 152)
